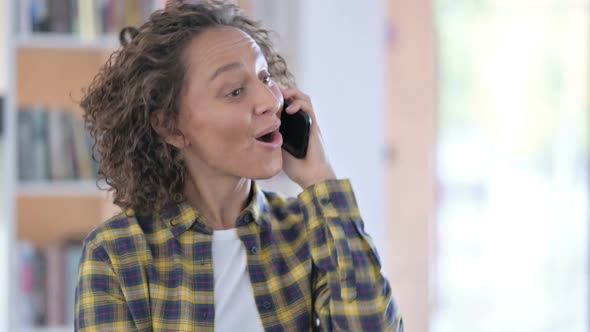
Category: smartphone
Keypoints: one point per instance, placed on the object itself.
(295, 129)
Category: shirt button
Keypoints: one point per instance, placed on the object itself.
(267, 305)
(254, 250)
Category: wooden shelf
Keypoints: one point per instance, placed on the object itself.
(54, 77)
(53, 218)
(62, 188)
(62, 41)
(50, 329)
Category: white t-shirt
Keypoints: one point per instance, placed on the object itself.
(235, 308)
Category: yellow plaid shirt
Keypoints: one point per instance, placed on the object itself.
(310, 263)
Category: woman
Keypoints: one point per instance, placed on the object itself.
(185, 118)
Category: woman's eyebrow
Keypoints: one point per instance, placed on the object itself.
(226, 68)
(235, 65)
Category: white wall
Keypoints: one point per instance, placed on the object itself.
(3, 30)
(7, 271)
(336, 50)
(4, 276)
(342, 63)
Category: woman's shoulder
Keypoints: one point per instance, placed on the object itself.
(121, 230)
(283, 210)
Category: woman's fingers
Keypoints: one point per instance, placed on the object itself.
(297, 105)
(294, 93)
(298, 101)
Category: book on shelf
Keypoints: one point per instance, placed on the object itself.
(84, 18)
(53, 145)
(33, 159)
(60, 135)
(48, 277)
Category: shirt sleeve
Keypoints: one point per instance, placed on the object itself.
(99, 304)
(349, 291)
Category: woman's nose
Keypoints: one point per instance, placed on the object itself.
(268, 99)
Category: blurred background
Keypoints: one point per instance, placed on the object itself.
(464, 126)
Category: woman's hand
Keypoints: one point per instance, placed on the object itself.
(315, 167)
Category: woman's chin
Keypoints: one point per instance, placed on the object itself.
(269, 169)
(269, 173)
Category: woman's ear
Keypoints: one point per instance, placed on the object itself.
(175, 138)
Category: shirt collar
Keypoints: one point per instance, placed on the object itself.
(183, 216)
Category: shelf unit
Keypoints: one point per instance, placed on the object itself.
(86, 188)
(57, 41)
(36, 83)
(49, 69)
(51, 329)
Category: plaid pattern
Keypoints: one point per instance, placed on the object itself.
(310, 262)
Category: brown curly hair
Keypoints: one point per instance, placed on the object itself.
(146, 76)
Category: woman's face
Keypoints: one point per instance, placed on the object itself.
(229, 103)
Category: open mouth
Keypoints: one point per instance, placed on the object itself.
(267, 138)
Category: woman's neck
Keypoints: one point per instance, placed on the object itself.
(220, 199)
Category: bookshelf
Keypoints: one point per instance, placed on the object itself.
(49, 65)
(50, 69)
(57, 41)
(63, 188)
(51, 329)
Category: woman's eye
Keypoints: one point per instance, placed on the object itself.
(267, 80)
(236, 92)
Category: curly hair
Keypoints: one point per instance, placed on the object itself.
(147, 76)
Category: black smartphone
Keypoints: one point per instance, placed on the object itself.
(295, 130)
